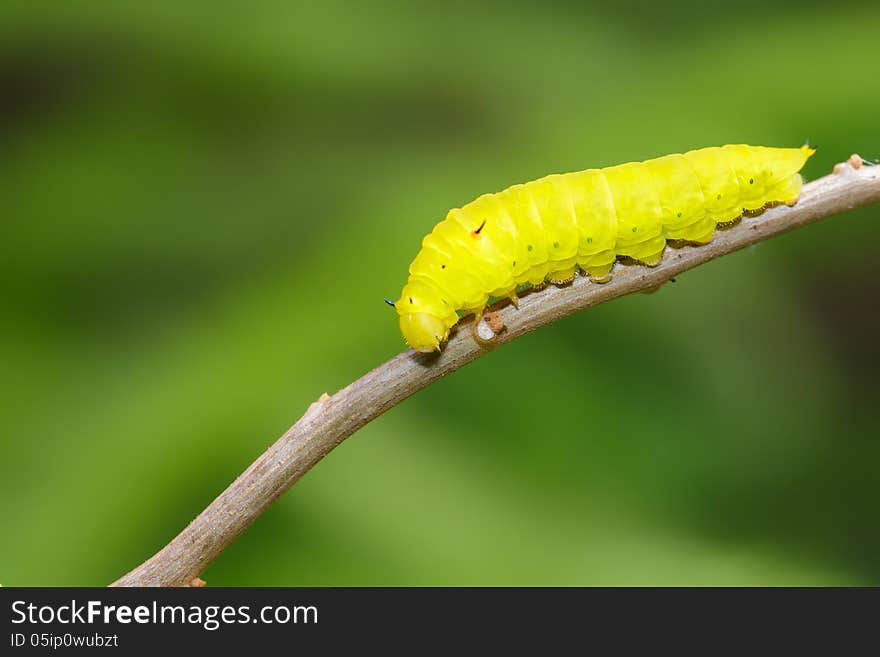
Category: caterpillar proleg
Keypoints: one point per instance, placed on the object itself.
(548, 229)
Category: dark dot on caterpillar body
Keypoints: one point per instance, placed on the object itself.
(679, 215)
(751, 181)
(442, 266)
(410, 300)
(555, 245)
(529, 247)
(718, 197)
(514, 263)
(635, 229)
(589, 240)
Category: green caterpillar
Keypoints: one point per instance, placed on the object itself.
(548, 228)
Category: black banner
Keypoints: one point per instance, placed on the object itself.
(76, 619)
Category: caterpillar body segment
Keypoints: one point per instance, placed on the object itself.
(548, 228)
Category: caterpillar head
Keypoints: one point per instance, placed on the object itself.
(422, 331)
(425, 318)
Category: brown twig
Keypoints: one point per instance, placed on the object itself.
(331, 419)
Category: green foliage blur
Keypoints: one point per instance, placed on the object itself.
(204, 206)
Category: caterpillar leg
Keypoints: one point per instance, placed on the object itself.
(654, 259)
(514, 299)
(723, 225)
(698, 239)
(647, 253)
(700, 232)
(600, 273)
(562, 276)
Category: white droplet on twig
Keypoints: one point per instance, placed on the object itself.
(484, 330)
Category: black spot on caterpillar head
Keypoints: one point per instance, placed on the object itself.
(442, 266)
(410, 300)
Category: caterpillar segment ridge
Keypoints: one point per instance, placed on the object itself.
(548, 229)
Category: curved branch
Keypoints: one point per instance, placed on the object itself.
(332, 419)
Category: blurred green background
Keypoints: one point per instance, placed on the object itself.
(204, 204)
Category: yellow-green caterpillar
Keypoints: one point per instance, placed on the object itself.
(547, 228)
